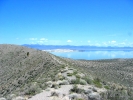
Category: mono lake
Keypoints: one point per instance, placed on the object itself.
(94, 55)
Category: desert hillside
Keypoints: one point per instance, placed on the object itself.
(20, 66)
(26, 72)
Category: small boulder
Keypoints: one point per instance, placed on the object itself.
(65, 98)
(19, 98)
(55, 98)
(64, 82)
(11, 96)
(55, 93)
(55, 85)
(88, 91)
(81, 75)
(70, 79)
(2, 98)
(59, 82)
(73, 96)
(94, 96)
(64, 70)
(49, 84)
(94, 89)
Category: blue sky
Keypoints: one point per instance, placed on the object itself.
(67, 22)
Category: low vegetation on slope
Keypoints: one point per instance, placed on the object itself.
(20, 67)
(26, 72)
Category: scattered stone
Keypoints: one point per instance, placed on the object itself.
(59, 74)
(49, 84)
(65, 82)
(88, 91)
(19, 98)
(55, 98)
(94, 96)
(94, 89)
(81, 75)
(11, 96)
(48, 89)
(64, 70)
(2, 98)
(65, 98)
(59, 82)
(73, 96)
(55, 85)
(55, 93)
(71, 78)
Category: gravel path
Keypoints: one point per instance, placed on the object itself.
(46, 95)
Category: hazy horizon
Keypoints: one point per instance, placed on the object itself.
(70, 45)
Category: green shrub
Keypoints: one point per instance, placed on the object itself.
(78, 76)
(28, 53)
(69, 74)
(63, 66)
(75, 72)
(54, 85)
(88, 80)
(97, 83)
(82, 82)
(31, 91)
(75, 81)
(43, 85)
(64, 82)
(76, 89)
(80, 99)
(106, 87)
(61, 78)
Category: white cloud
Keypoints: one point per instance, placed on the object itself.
(130, 44)
(97, 44)
(69, 41)
(33, 43)
(105, 44)
(33, 38)
(123, 43)
(54, 42)
(43, 39)
(113, 41)
(113, 55)
(57, 41)
(88, 41)
(40, 42)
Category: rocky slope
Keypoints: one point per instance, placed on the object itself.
(25, 72)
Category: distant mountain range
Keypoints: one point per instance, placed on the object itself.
(79, 48)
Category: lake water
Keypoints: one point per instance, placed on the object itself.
(94, 55)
